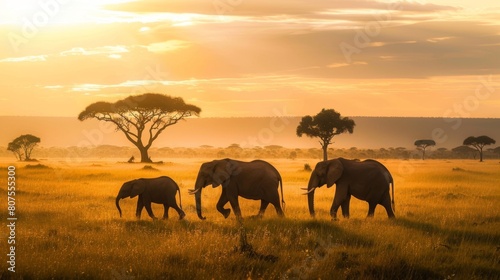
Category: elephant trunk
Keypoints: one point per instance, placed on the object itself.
(310, 200)
(313, 184)
(118, 205)
(197, 197)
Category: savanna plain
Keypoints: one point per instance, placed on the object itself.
(447, 226)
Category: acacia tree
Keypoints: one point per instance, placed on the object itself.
(141, 118)
(16, 149)
(478, 143)
(423, 144)
(325, 125)
(23, 145)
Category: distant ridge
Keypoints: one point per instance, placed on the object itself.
(369, 132)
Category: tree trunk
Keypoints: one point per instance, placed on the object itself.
(144, 154)
(480, 155)
(325, 152)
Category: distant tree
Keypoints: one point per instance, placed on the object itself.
(464, 151)
(442, 152)
(325, 125)
(478, 143)
(234, 146)
(273, 147)
(141, 118)
(206, 147)
(423, 144)
(23, 146)
(16, 149)
(497, 150)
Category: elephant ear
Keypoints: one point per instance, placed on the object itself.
(220, 175)
(321, 168)
(138, 188)
(335, 170)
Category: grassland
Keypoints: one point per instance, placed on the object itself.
(447, 227)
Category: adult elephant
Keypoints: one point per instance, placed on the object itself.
(161, 190)
(257, 180)
(367, 180)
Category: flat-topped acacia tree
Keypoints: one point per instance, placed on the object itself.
(24, 143)
(142, 118)
(423, 144)
(325, 125)
(478, 143)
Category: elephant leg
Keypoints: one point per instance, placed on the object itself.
(333, 209)
(138, 210)
(340, 197)
(147, 204)
(345, 206)
(165, 211)
(277, 206)
(179, 211)
(220, 204)
(233, 200)
(371, 209)
(386, 202)
(263, 207)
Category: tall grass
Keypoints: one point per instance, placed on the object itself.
(448, 216)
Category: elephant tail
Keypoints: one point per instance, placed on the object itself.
(392, 197)
(283, 204)
(180, 200)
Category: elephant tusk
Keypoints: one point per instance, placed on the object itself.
(308, 192)
(305, 189)
(194, 191)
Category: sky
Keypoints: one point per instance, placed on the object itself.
(240, 58)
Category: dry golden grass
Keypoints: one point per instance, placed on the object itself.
(447, 227)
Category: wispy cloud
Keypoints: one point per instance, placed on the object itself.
(31, 58)
(106, 50)
(337, 65)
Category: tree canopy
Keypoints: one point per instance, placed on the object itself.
(325, 125)
(141, 118)
(23, 146)
(478, 143)
(423, 144)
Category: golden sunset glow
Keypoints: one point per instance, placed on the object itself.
(248, 58)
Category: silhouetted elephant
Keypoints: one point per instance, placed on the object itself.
(161, 190)
(257, 180)
(367, 180)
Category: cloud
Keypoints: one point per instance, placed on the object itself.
(337, 65)
(106, 50)
(32, 58)
(266, 8)
(435, 40)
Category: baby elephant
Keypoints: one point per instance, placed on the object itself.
(160, 190)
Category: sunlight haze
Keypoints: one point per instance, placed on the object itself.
(435, 58)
